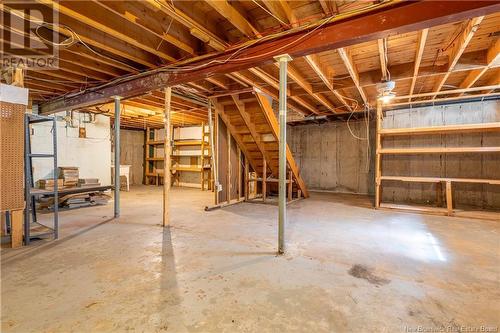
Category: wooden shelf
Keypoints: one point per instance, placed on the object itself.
(448, 129)
(154, 158)
(155, 142)
(191, 169)
(440, 179)
(439, 150)
(419, 209)
(187, 143)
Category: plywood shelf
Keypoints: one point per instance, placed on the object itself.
(448, 129)
(190, 169)
(441, 179)
(188, 143)
(438, 150)
(155, 142)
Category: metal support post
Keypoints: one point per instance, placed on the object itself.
(117, 156)
(283, 61)
(167, 162)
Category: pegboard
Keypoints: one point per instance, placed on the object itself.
(11, 156)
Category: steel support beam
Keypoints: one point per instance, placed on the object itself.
(283, 62)
(387, 19)
(117, 156)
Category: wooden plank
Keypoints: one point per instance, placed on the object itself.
(264, 184)
(441, 179)
(418, 209)
(418, 58)
(353, 72)
(449, 198)
(439, 150)
(228, 184)
(251, 126)
(458, 49)
(338, 33)
(466, 128)
(273, 123)
(16, 228)
(247, 171)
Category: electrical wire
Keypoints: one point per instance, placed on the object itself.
(181, 67)
(267, 11)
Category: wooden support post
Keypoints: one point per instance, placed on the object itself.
(202, 157)
(247, 172)
(239, 173)
(16, 228)
(117, 157)
(215, 152)
(264, 178)
(449, 198)
(439, 194)
(378, 156)
(166, 160)
(290, 186)
(3, 223)
(228, 185)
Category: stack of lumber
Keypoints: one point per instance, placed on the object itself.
(69, 175)
(76, 200)
(48, 184)
(88, 182)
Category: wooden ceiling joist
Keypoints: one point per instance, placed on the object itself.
(458, 48)
(492, 59)
(422, 38)
(373, 24)
(349, 64)
(321, 71)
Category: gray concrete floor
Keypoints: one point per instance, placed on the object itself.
(348, 268)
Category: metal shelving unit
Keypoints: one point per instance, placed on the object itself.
(30, 192)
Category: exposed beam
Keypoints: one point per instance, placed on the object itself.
(273, 123)
(234, 17)
(294, 74)
(321, 71)
(458, 48)
(422, 38)
(276, 8)
(382, 52)
(386, 19)
(159, 25)
(492, 59)
(138, 40)
(197, 29)
(246, 116)
(349, 64)
(273, 83)
(244, 78)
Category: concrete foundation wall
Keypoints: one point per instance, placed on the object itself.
(478, 165)
(330, 158)
(91, 154)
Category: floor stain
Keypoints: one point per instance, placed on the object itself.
(363, 272)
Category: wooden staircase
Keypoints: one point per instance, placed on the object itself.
(250, 119)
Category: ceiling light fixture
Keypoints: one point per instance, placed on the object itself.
(385, 93)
